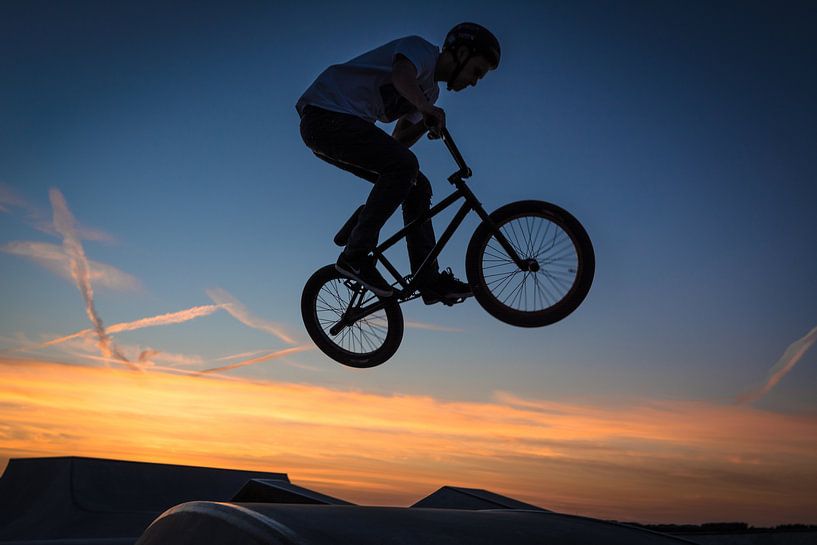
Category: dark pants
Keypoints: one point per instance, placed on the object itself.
(360, 147)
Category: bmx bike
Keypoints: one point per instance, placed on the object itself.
(529, 264)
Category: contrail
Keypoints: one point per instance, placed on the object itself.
(240, 313)
(259, 359)
(65, 224)
(786, 363)
(36, 218)
(433, 327)
(148, 358)
(241, 355)
(53, 257)
(161, 319)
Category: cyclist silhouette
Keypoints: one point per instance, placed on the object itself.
(396, 81)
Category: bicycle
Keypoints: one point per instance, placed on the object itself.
(535, 251)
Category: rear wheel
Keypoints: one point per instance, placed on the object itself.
(559, 258)
(366, 342)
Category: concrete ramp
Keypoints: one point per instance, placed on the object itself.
(90, 498)
(454, 497)
(270, 524)
(88, 501)
(275, 491)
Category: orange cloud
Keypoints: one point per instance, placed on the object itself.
(670, 461)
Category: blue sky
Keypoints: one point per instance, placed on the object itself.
(681, 135)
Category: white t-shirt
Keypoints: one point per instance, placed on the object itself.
(363, 86)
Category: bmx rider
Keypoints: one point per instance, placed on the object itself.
(394, 82)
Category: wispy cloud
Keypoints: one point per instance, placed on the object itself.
(10, 199)
(240, 313)
(18, 342)
(54, 258)
(118, 360)
(70, 261)
(286, 361)
(85, 348)
(153, 321)
(241, 355)
(185, 360)
(148, 358)
(38, 219)
(167, 318)
(260, 359)
(64, 223)
(786, 363)
(433, 327)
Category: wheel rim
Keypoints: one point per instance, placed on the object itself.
(363, 337)
(540, 239)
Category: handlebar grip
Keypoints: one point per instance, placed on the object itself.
(433, 130)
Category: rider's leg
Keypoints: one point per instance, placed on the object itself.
(359, 146)
(421, 239)
(363, 149)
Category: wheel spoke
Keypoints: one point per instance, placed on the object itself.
(538, 238)
(364, 336)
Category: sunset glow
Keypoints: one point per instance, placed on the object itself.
(648, 460)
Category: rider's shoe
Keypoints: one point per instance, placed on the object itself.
(364, 271)
(446, 288)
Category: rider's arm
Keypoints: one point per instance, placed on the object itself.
(404, 77)
(407, 133)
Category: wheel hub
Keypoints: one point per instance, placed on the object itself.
(531, 265)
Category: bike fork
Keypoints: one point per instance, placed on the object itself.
(526, 265)
(351, 314)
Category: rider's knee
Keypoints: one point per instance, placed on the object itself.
(408, 166)
(419, 196)
(423, 186)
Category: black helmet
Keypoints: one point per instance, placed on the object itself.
(477, 37)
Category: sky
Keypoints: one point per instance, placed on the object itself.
(159, 216)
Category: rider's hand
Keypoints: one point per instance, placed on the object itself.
(434, 118)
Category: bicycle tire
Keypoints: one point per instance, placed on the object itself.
(483, 263)
(318, 305)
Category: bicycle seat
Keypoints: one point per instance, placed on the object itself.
(342, 237)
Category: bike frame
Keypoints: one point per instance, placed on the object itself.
(353, 313)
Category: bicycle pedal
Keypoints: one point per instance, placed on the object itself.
(353, 285)
(411, 297)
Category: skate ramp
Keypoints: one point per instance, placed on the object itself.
(270, 524)
(455, 497)
(89, 498)
(87, 501)
(279, 491)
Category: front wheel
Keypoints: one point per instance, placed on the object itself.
(559, 270)
(368, 341)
